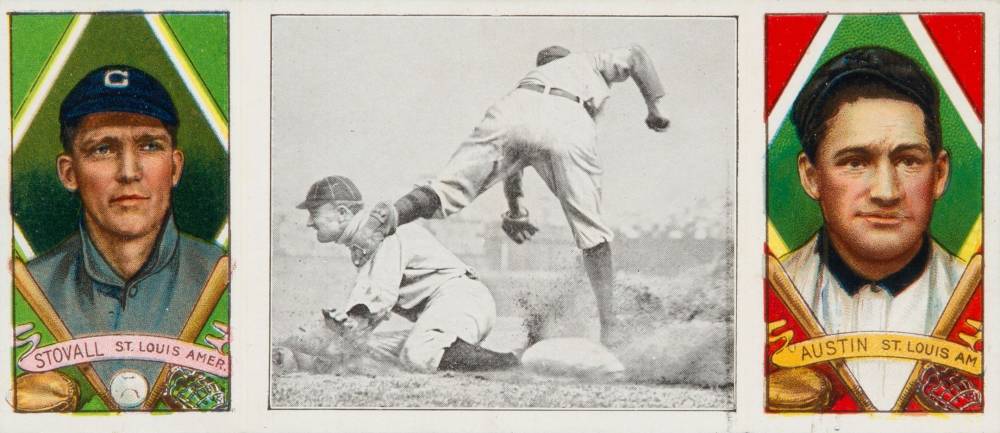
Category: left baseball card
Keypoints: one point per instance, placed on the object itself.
(120, 204)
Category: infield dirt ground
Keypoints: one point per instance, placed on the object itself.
(677, 354)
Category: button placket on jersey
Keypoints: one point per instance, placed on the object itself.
(872, 308)
(131, 289)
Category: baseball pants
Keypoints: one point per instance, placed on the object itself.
(554, 135)
(460, 308)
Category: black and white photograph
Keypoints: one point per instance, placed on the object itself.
(502, 212)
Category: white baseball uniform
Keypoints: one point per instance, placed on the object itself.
(909, 301)
(412, 274)
(551, 133)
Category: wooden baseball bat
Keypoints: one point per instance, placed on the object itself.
(36, 298)
(792, 299)
(949, 316)
(214, 287)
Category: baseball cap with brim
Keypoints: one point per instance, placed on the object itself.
(865, 64)
(331, 189)
(121, 89)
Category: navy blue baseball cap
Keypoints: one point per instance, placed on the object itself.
(118, 88)
(864, 65)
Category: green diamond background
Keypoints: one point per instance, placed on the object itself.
(45, 211)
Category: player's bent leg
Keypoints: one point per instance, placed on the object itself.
(422, 202)
(446, 335)
(600, 269)
(487, 156)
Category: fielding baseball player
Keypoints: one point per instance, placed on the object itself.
(412, 279)
(546, 122)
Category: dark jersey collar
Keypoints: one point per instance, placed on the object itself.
(852, 282)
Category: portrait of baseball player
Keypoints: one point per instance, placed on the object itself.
(873, 159)
(546, 242)
(127, 268)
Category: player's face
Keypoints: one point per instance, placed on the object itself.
(124, 167)
(329, 221)
(876, 179)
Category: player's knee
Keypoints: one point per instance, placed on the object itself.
(421, 358)
(604, 247)
(423, 353)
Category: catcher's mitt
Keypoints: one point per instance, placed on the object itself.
(192, 390)
(50, 391)
(799, 389)
(943, 389)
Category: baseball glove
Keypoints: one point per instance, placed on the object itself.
(518, 227)
(800, 389)
(943, 389)
(382, 222)
(50, 391)
(192, 390)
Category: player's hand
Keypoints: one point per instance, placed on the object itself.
(518, 227)
(657, 120)
(351, 327)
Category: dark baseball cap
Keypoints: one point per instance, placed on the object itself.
(331, 189)
(118, 88)
(863, 65)
(549, 54)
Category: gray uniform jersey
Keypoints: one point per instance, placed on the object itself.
(91, 299)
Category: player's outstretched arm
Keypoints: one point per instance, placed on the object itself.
(644, 74)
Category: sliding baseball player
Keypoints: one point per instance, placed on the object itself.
(412, 279)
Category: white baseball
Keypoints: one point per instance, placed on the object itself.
(129, 388)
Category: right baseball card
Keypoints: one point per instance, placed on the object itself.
(874, 296)
(502, 215)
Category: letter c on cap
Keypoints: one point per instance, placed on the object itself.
(115, 78)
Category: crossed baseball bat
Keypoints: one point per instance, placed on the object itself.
(801, 312)
(213, 289)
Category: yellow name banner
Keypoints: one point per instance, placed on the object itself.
(877, 345)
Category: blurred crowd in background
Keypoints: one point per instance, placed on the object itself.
(645, 243)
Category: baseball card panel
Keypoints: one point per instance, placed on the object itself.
(120, 204)
(874, 295)
(366, 107)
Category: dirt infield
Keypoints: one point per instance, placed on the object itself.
(484, 390)
(676, 349)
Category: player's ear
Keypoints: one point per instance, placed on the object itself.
(808, 176)
(942, 166)
(64, 166)
(178, 166)
(344, 212)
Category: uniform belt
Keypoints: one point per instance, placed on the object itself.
(554, 91)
